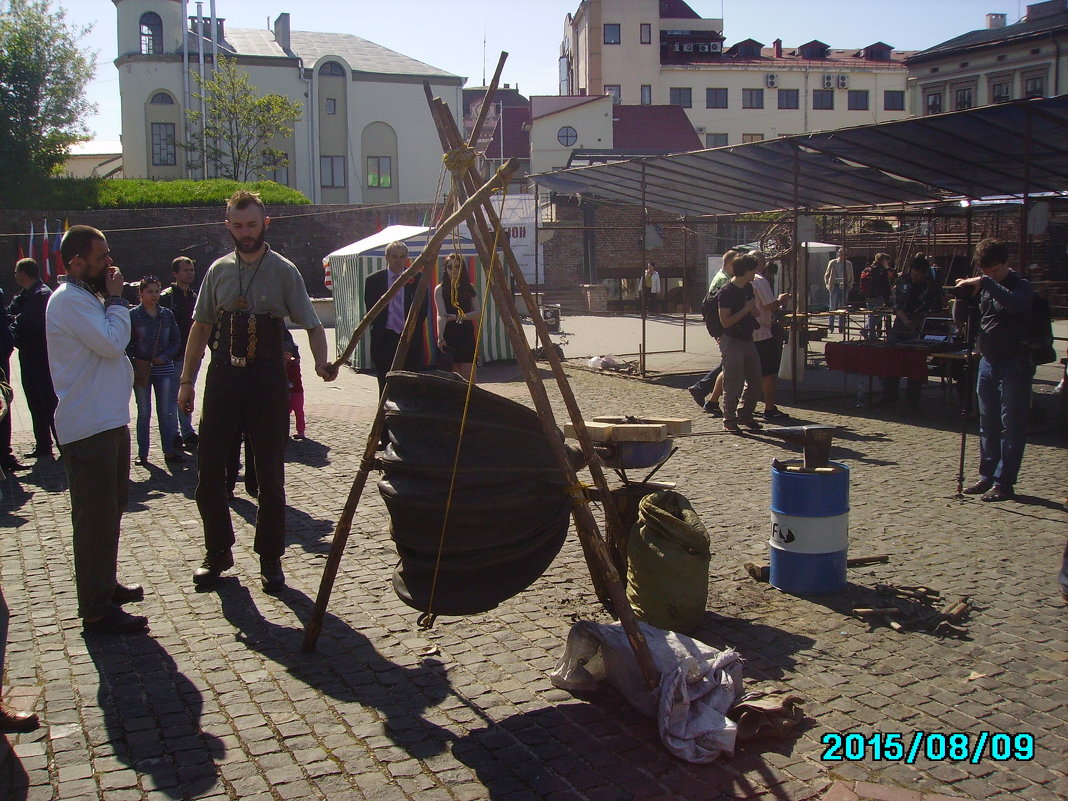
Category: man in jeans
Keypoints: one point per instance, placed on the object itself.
(838, 278)
(711, 385)
(741, 363)
(998, 303)
(88, 327)
(180, 298)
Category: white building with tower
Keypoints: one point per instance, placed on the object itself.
(365, 135)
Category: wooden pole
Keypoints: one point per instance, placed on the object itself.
(603, 570)
(344, 523)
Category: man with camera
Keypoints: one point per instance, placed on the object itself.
(87, 324)
(996, 305)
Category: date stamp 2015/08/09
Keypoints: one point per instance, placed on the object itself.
(933, 746)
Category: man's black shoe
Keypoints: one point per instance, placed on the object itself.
(775, 414)
(191, 440)
(116, 621)
(39, 453)
(14, 722)
(979, 487)
(271, 575)
(213, 566)
(127, 594)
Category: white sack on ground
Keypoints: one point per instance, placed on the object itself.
(698, 684)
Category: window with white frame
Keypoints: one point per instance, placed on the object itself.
(151, 34)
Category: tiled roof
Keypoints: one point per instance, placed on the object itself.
(661, 129)
(985, 36)
(677, 9)
(359, 54)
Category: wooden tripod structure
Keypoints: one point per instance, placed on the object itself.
(473, 204)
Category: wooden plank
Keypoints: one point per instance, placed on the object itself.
(639, 432)
(599, 432)
(675, 425)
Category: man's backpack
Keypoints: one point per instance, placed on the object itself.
(1039, 338)
(710, 314)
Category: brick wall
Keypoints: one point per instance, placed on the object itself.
(144, 241)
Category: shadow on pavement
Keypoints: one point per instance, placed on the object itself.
(768, 650)
(311, 532)
(152, 713)
(308, 452)
(607, 749)
(352, 672)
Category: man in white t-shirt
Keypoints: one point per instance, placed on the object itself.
(838, 278)
(768, 342)
(87, 325)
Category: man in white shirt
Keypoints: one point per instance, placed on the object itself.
(93, 379)
(767, 340)
(838, 278)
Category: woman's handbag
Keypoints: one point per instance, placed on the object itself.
(142, 372)
(143, 367)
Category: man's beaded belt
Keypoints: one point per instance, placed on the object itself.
(239, 338)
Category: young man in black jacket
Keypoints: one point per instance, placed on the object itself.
(999, 308)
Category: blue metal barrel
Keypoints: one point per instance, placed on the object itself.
(809, 528)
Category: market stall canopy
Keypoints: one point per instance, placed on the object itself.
(1008, 149)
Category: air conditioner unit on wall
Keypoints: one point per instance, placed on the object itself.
(828, 82)
(769, 80)
(700, 129)
(843, 81)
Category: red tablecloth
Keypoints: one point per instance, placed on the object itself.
(856, 357)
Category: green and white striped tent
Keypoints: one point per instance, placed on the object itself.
(347, 268)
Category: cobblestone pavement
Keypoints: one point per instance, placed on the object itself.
(219, 701)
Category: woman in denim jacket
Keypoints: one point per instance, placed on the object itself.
(155, 338)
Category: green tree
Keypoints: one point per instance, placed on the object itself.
(240, 124)
(43, 75)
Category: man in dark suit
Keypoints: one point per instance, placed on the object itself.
(28, 327)
(387, 327)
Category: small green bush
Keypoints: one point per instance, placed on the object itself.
(79, 194)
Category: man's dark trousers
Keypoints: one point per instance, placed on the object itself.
(98, 473)
(40, 398)
(257, 397)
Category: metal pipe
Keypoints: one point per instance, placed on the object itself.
(641, 275)
(795, 335)
(203, 104)
(187, 96)
(1025, 237)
